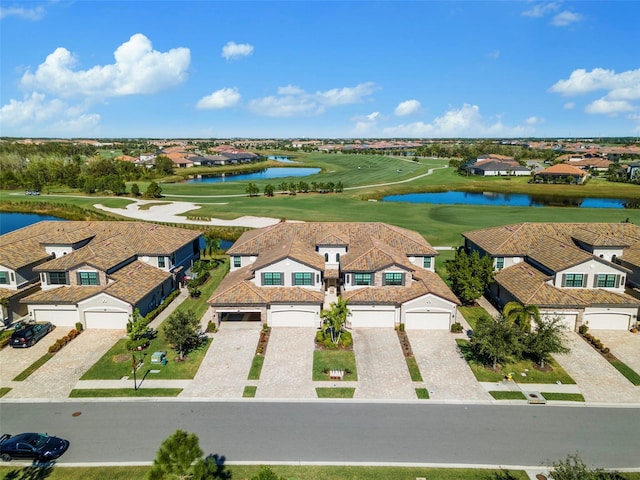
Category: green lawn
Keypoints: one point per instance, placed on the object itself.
(338, 392)
(124, 392)
(507, 395)
(256, 367)
(565, 397)
(414, 369)
(33, 367)
(484, 374)
(325, 360)
(627, 371)
(472, 314)
(199, 305)
(422, 393)
(249, 391)
(4, 391)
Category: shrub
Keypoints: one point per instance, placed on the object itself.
(329, 344)
(401, 327)
(582, 329)
(456, 327)
(194, 292)
(606, 350)
(346, 340)
(79, 327)
(319, 336)
(212, 327)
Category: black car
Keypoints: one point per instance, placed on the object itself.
(30, 334)
(34, 446)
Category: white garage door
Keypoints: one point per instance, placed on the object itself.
(294, 318)
(60, 318)
(371, 319)
(567, 320)
(427, 321)
(106, 320)
(607, 321)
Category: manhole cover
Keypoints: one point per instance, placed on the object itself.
(76, 414)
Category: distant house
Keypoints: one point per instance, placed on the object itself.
(633, 169)
(561, 173)
(95, 273)
(576, 272)
(224, 158)
(495, 165)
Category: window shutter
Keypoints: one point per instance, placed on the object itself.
(564, 279)
(584, 281)
(403, 277)
(618, 277)
(293, 279)
(262, 279)
(78, 279)
(596, 277)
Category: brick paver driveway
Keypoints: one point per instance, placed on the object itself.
(14, 360)
(445, 373)
(598, 380)
(288, 364)
(382, 369)
(224, 369)
(57, 377)
(624, 345)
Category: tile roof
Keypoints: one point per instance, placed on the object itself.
(562, 169)
(557, 255)
(134, 281)
(295, 250)
(63, 295)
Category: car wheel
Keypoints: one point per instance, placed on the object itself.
(5, 457)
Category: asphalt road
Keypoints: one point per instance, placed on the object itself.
(339, 432)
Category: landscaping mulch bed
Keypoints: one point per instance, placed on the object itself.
(404, 343)
(263, 341)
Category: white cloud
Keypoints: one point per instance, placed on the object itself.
(565, 18)
(541, 9)
(57, 117)
(495, 54)
(569, 106)
(366, 124)
(234, 50)
(25, 13)
(463, 122)
(138, 69)
(294, 101)
(534, 120)
(407, 108)
(223, 98)
(609, 107)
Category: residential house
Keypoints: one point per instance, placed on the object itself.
(575, 271)
(95, 273)
(495, 165)
(561, 173)
(286, 274)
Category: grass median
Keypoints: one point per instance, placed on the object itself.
(33, 367)
(124, 392)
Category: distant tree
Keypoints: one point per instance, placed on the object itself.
(252, 190)
(181, 329)
(164, 165)
(135, 190)
(496, 340)
(547, 338)
(469, 275)
(153, 191)
(283, 187)
(521, 315)
(339, 187)
(303, 186)
(268, 190)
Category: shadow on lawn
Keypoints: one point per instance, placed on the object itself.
(36, 471)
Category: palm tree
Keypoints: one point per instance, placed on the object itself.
(517, 313)
(336, 317)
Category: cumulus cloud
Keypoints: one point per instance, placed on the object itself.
(138, 69)
(463, 122)
(223, 98)
(35, 111)
(541, 9)
(234, 50)
(565, 18)
(294, 101)
(24, 13)
(407, 108)
(621, 89)
(534, 120)
(366, 124)
(569, 106)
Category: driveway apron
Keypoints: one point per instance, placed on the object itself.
(382, 369)
(14, 360)
(445, 373)
(57, 377)
(288, 364)
(224, 369)
(598, 381)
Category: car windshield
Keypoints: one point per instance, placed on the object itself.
(36, 440)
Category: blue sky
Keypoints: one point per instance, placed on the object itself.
(422, 69)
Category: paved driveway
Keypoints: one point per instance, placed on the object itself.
(288, 364)
(624, 345)
(382, 369)
(445, 373)
(598, 380)
(224, 369)
(57, 377)
(14, 360)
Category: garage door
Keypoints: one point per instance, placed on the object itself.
(60, 318)
(607, 321)
(294, 318)
(567, 320)
(371, 319)
(106, 320)
(427, 321)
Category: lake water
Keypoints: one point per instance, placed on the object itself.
(280, 158)
(264, 174)
(507, 199)
(13, 221)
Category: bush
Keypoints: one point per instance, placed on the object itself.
(319, 336)
(582, 329)
(456, 327)
(79, 326)
(606, 350)
(328, 343)
(401, 327)
(212, 327)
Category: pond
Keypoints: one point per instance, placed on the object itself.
(264, 174)
(280, 158)
(13, 221)
(511, 199)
